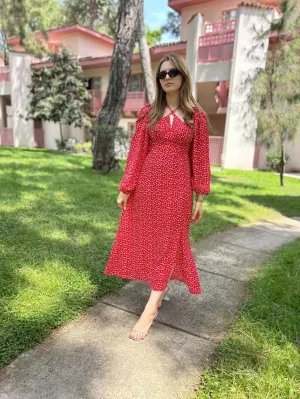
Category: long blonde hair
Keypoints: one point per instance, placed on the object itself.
(187, 100)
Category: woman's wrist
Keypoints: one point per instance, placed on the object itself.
(199, 197)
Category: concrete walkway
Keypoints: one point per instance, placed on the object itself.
(92, 357)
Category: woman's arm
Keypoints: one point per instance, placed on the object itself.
(201, 174)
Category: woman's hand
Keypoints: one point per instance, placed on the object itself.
(198, 212)
(122, 200)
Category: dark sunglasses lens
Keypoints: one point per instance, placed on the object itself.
(173, 72)
(162, 75)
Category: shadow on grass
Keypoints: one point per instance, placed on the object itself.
(287, 205)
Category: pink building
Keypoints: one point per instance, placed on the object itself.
(216, 36)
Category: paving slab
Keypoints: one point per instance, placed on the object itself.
(227, 259)
(254, 238)
(93, 358)
(286, 227)
(207, 315)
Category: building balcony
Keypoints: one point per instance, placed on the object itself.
(216, 44)
(4, 74)
(96, 101)
(6, 136)
(135, 100)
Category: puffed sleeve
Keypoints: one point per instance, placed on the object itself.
(201, 175)
(136, 154)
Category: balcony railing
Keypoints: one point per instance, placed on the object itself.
(96, 100)
(4, 74)
(6, 136)
(135, 100)
(215, 149)
(217, 42)
(219, 27)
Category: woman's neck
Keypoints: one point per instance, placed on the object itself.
(172, 99)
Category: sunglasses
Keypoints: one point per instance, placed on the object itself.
(172, 73)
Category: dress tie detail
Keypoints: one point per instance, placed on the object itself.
(172, 110)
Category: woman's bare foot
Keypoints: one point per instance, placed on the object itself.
(143, 324)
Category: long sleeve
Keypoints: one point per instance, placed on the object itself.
(201, 174)
(136, 154)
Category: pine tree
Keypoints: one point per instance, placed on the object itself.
(120, 71)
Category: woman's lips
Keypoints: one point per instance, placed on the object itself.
(169, 84)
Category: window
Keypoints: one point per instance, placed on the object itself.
(130, 130)
(229, 15)
(134, 83)
(97, 83)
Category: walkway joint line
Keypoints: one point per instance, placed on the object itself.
(162, 323)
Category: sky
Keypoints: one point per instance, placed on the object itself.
(155, 14)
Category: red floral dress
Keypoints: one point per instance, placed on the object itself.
(164, 166)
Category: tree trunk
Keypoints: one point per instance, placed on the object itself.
(93, 13)
(145, 57)
(61, 135)
(282, 164)
(120, 71)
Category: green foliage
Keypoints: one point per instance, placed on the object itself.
(274, 160)
(172, 25)
(59, 94)
(60, 144)
(101, 15)
(84, 147)
(153, 36)
(23, 17)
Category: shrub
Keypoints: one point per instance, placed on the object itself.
(274, 159)
(60, 144)
(84, 147)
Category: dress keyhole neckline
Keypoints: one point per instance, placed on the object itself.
(172, 112)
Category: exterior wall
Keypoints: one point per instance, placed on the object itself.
(239, 143)
(5, 88)
(194, 30)
(213, 72)
(76, 133)
(90, 46)
(83, 45)
(20, 78)
(211, 11)
(292, 149)
(52, 132)
(206, 97)
(70, 41)
(2, 111)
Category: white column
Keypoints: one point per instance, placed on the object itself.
(23, 131)
(194, 31)
(240, 127)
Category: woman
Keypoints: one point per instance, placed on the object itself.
(168, 159)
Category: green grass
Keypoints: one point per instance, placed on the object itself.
(58, 220)
(260, 357)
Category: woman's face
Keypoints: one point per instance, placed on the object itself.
(170, 85)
